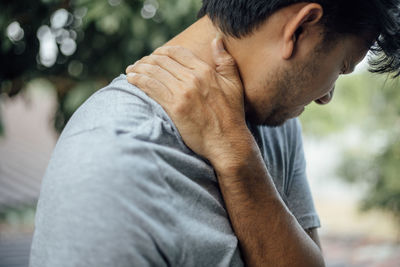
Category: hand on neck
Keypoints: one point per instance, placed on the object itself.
(246, 51)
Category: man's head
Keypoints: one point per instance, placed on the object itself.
(308, 44)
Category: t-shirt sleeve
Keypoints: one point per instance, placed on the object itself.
(102, 204)
(299, 197)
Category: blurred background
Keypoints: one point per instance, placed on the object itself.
(56, 53)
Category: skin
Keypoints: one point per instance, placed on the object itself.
(208, 91)
(292, 73)
(296, 70)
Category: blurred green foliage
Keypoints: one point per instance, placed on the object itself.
(365, 110)
(108, 34)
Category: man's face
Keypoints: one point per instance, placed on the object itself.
(298, 82)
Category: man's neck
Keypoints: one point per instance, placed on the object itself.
(197, 38)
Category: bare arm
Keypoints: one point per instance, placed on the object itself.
(207, 107)
(269, 234)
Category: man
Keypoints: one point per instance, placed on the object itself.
(189, 173)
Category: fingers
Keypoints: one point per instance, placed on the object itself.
(195, 71)
(182, 55)
(150, 86)
(225, 63)
(174, 68)
(155, 72)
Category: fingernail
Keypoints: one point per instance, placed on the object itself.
(127, 69)
(219, 42)
(131, 74)
(220, 45)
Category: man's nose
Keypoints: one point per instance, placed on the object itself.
(326, 98)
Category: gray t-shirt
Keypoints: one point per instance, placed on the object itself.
(122, 189)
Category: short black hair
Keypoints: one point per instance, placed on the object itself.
(239, 18)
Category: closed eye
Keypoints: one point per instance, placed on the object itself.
(346, 69)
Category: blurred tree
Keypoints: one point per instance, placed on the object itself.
(377, 161)
(367, 107)
(80, 45)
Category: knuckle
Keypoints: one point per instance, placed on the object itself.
(135, 80)
(152, 58)
(194, 82)
(174, 50)
(151, 83)
(165, 50)
(180, 107)
(132, 67)
(158, 70)
(159, 49)
(144, 59)
(156, 59)
(187, 95)
(206, 72)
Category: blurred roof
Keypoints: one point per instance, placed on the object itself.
(14, 250)
(25, 148)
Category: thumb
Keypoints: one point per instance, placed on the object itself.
(225, 63)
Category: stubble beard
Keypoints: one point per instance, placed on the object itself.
(287, 84)
(278, 114)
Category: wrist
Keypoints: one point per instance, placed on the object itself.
(231, 152)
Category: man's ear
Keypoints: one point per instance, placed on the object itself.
(296, 26)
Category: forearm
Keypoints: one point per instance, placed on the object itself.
(268, 233)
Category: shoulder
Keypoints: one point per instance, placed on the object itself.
(119, 106)
(110, 142)
(114, 129)
(122, 114)
(104, 174)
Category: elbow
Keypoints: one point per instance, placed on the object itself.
(322, 262)
(315, 260)
(319, 262)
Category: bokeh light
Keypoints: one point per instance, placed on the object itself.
(68, 46)
(14, 31)
(114, 2)
(75, 68)
(149, 9)
(59, 19)
(60, 36)
(48, 50)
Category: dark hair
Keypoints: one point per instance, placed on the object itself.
(239, 18)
